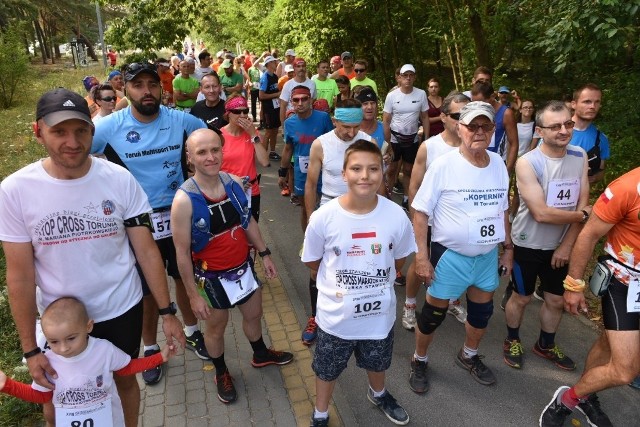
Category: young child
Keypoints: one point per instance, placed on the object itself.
(356, 242)
(84, 386)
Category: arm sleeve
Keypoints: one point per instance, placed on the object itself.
(25, 392)
(138, 365)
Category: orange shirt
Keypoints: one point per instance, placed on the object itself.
(344, 73)
(282, 80)
(620, 205)
(166, 79)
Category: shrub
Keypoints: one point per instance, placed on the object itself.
(14, 65)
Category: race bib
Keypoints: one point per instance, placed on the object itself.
(161, 224)
(256, 85)
(366, 304)
(240, 287)
(563, 193)
(486, 229)
(303, 163)
(633, 296)
(276, 102)
(94, 415)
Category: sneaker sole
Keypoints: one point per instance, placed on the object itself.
(551, 402)
(426, 389)
(223, 400)
(263, 364)
(512, 365)
(408, 327)
(564, 368)
(456, 316)
(586, 417)
(475, 377)
(396, 422)
(197, 353)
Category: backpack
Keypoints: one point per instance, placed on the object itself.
(593, 157)
(201, 219)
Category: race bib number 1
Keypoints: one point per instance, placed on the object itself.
(563, 193)
(633, 296)
(486, 230)
(161, 224)
(96, 415)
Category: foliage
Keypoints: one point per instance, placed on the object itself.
(14, 65)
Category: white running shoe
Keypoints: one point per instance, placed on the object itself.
(409, 317)
(458, 311)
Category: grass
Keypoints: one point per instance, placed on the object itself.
(18, 148)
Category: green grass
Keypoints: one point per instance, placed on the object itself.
(18, 148)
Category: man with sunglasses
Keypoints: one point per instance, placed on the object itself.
(299, 78)
(554, 192)
(361, 78)
(466, 194)
(148, 139)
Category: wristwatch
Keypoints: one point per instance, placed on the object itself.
(256, 139)
(264, 253)
(585, 216)
(171, 309)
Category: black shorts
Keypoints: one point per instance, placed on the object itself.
(614, 309)
(124, 331)
(405, 152)
(216, 296)
(529, 264)
(271, 118)
(255, 207)
(168, 254)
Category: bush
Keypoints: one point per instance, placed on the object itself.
(14, 65)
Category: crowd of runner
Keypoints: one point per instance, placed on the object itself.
(490, 185)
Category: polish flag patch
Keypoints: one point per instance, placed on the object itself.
(363, 234)
(607, 195)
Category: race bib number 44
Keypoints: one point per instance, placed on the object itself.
(486, 229)
(161, 224)
(563, 193)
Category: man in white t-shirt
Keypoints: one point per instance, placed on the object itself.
(299, 78)
(356, 242)
(65, 233)
(404, 111)
(466, 195)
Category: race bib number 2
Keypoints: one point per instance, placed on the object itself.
(161, 224)
(303, 163)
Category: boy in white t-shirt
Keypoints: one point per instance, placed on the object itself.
(84, 386)
(356, 242)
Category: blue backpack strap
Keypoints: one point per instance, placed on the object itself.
(200, 218)
(238, 198)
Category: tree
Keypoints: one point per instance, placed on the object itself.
(14, 64)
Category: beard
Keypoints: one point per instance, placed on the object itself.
(147, 109)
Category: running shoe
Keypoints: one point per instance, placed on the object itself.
(274, 156)
(513, 351)
(409, 317)
(388, 405)
(538, 294)
(400, 279)
(319, 422)
(195, 343)
(478, 370)
(310, 333)
(555, 412)
(590, 408)
(226, 390)
(635, 383)
(285, 192)
(294, 200)
(398, 188)
(152, 376)
(418, 381)
(271, 357)
(457, 310)
(507, 294)
(405, 206)
(555, 355)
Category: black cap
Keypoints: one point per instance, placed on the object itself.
(136, 68)
(367, 94)
(61, 104)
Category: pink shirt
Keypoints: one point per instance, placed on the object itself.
(239, 157)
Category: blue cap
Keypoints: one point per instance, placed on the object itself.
(504, 89)
(113, 74)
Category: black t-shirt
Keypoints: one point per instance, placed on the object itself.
(272, 87)
(212, 116)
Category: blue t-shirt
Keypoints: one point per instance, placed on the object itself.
(269, 84)
(301, 133)
(153, 152)
(587, 139)
(378, 135)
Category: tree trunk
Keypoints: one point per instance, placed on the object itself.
(83, 39)
(392, 34)
(483, 56)
(41, 41)
(452, 62)
(454, 41)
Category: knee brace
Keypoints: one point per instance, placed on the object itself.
(430, 318)
(478, 314)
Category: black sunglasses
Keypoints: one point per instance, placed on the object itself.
(359, 70)
(239, 111)
(108, 98)
(133, 67)
(454, 116)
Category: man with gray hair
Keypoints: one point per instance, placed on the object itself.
(466, 194)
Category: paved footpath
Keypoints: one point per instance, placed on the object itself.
(272, 396)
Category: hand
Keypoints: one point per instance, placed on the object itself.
(3, 380)
(560, 256)
(270, 271)
(246, 124)
(574, 302)
(172, 328)
(200, 307)
(506, 260)
(39, 365)
(424, 269)
(168, 351)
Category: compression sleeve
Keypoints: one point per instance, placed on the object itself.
(139, 365)
(25, 392)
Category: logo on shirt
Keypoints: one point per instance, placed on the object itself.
(376, 248)
(337, 251)
(133, 137)
(99, 381)
(363, 234)
(356, 251)
(108, 207)
(173, 185)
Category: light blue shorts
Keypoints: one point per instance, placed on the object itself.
(455, 273)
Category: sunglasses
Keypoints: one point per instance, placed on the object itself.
(132, 68)
(239, 111)
(454, 116)
(473, 127)
(408, 75)
(108, 98)
(359, 70)
(569, 124)
(296, 100)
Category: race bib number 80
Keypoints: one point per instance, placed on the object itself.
(96, 415)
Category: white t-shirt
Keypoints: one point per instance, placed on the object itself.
(405, 109)
(467, 203)
(355, 279)
(436, 147)
(85, 387)
(333, 149)
(525, 135)
(201, 72)
(285, 95)
(79, 239)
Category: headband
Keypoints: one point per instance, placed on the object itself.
(299, 61)
(234, 103)
(349, 115)
(301, 91)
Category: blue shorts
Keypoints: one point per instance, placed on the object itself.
(455, 272)
(333, 353)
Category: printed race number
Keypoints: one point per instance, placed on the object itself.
(93, 415)
(303, 163)
(367, 304)
(633, 296)
(486, 230)
(563, 193)
(161, 224)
